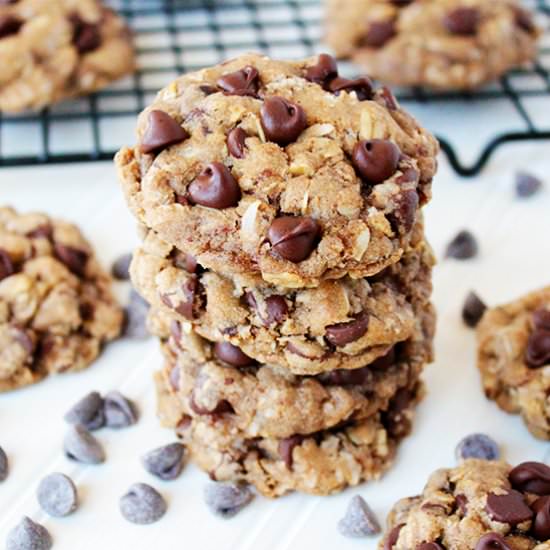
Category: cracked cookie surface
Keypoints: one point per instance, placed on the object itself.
(282, 169)
(56, 306)
(57, 49)
(443, 44)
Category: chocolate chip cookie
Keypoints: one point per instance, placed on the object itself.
(442, 44)
(57, 49)
(514, 358)
(56, 306)
(281, 169)
(340, 324)
(479, 505)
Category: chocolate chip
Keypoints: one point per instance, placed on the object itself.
(463, 247)
(175, 377)
(461, 502)
(376, 160)
(379, 32)
(136, 316)
(276, 310)
(282, 120)
(477, 446)
(286, 448)
(524, 20)
(87, 412)
(363, 87)
(389, 99)
(395, 420)
(294, 237)
(406, 207)
(401, 3)
(393, 537)
(473, 309)
(215, 187)
(41, 232)
(541, 318)
(142, 504)
(430, 546)
(492, 541)
(86, 36)
(537, 353)
(462, 21)
(509, 508)
(80, 445)
(4, 468)
(243, 82)
(531, 477)
(348, 377)
(28, 535)
(186, 261)
(359, 521)
(227, 499)
(232, 355)
(120, 412)
(185, 307)
(236, 142)
(121, 267)
(541, 524)
(161, 132)
(9, 25)
(345, 333)
(165, 462)
(73, 258)
(57, 495)
(223, 407)
(323, 71)
(6, 265)
(527, 185)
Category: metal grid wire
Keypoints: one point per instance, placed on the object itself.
(175, 36)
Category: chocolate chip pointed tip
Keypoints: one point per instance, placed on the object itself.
(463, 246)
(282, 120)
(227, 499)
(473, 309)
(161, 132)
(527, 185)
(359, 521)
(215, 187)
(294, 237)
(165, 462)
(142, 504)
(29, 535)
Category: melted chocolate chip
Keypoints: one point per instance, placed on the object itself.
(86, 36)
(293, 237)
(185, 261)
(462, 21)
(363, 87)
(379, 33)
(430, 546)
(389, 99)
(286, 448)
(9, 25)
(524, 20)
(223, 407)
(6, 265)
(232, 355)
(276, 310)
(323, 71)
(345, 333)
(385, 361)
(348, 377)
(508, 508)
(393, 537)
(186, 307)
(537, 353)
(73, 258)
(531, 477)
(492, 541)
(404, 214)
(215, 187)
(161, 132)
(41, 232)
(376, 160)
(473, 310)
(246, 81)
(461, 502)
(282, 120)
(397, 423)
(236, 142)
(541, 318)
(541, 524)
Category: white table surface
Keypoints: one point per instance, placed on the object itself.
(514, 258)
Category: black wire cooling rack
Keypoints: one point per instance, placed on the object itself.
(175, 36)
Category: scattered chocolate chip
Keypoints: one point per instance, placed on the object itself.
(73, 258)
(509, 508)
(120, 412)
(541, 524)
(29, 535)
(492, 541)
(376, 160)
(4, 468)
(323, 71)
(463, 247)
(363, 87)
(80, 445)
(121, 267)
(232, 355)
(294, 237)
(537, 353)
(531, 477)
(243, 82)
(473, 309)
(406, 208)
(215, 187)
(227, 499)
(86, 36)
(6, 265)
(379, 33)
(477, 446)
(462, 21)
(142, 504)
(236, 142)
(345, 333)
(165, 462)
(393, 537)
(161, 132)
(87, 412)
(286, 448)
(9, 25)
(136, 317)
(527, 185)
(282, 120)
(430, 546)
(276, 310)
(57, 495)
(359, 521)
(541, 318)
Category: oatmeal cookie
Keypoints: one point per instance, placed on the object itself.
(479, 505)
(56, 49)
(56, 306)
(442, 44)
(514, 358)
(281, 169)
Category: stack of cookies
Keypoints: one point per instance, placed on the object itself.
(285, 261)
